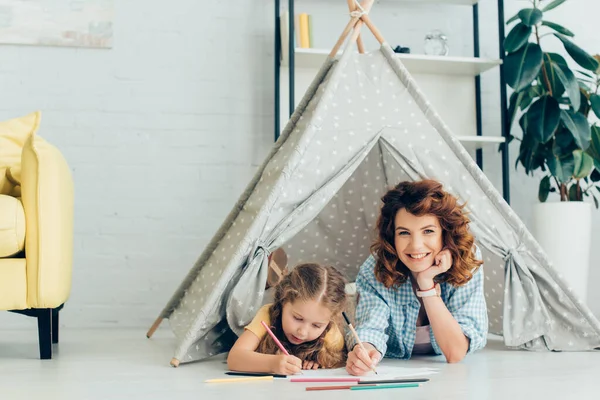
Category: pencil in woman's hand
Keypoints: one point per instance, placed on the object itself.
(356, 338)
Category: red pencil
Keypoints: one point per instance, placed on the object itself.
(332, 387)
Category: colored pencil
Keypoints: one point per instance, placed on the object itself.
(317, 379)
(283, 350)
(406, 380)
(246, 379)
(239, 373)
(391, 386)
(270, 332)
(331, 387)
(356, 337)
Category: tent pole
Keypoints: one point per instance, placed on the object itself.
(366, 4)
(359, 43)
(154, 326)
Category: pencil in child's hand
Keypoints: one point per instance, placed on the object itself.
(270, 332)
(357, 338)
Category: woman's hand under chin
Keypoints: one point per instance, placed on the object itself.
(442, 263)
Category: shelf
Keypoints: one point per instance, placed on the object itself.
(451, 2)
(478, 142)
(455, 2)
(415, 63)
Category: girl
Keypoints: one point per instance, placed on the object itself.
(421, 292)
(307, 303)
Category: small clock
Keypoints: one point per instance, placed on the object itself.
(436, 43)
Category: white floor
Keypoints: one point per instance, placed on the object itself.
(123, 364)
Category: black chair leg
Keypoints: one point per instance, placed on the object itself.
(44, 318)
(55, 326)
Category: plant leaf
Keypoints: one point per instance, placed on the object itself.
(595, 200)
(584, 108)
(512, 19)
(543, 118)
(567, 77)
(579, 55)
(552, 5)
(562, 168)
(595, 176)
(518, 36)
(595, 102)
(564, 143)
(530, 16)
(555, 83)
(594, 149)
(530, 94)
(573, 192)
(586, 74)
(578, 125)
(583, 164)
(523, 66)
(544, 189)
(513, 106)
(558, 59)
(558, 28)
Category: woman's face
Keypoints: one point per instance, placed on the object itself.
(417, 239)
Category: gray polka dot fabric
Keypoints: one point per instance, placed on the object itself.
(362, 127)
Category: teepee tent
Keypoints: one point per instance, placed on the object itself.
(363, 126)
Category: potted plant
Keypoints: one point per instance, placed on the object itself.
(556, 102)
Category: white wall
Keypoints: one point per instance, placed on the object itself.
(164, 130)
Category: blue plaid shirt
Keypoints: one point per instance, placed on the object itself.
(387, 318)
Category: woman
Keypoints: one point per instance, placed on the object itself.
(421, 292)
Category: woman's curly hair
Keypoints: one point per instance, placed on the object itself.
(425, 197)
(327, 286)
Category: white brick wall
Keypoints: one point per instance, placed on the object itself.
(162, 133)
(164, 130)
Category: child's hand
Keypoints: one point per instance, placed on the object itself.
(309, 365)
(360, 361)
(286, 365)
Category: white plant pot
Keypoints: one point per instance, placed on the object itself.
(564, 231)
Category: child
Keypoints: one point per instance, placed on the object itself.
(307, 303)
(421, 292)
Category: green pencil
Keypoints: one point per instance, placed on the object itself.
(391, 386)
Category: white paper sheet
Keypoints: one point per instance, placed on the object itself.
(383, 372)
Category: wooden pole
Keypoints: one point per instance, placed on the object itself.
(361, 47)
(366, 5)
(154, 327)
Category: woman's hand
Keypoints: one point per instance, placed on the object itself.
(360, 361)
(309, 365)
(286, 365)
(442, 263)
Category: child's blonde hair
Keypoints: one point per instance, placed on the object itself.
(324, 284)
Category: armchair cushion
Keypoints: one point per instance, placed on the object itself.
(12, 226)
(13, 135)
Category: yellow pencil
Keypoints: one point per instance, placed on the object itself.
(250, 378)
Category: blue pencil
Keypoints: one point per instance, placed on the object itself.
(391, 386)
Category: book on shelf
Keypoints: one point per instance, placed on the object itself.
(303, 32)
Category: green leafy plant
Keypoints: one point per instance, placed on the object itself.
(556, 106)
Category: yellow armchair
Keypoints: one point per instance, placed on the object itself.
(36, 227)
